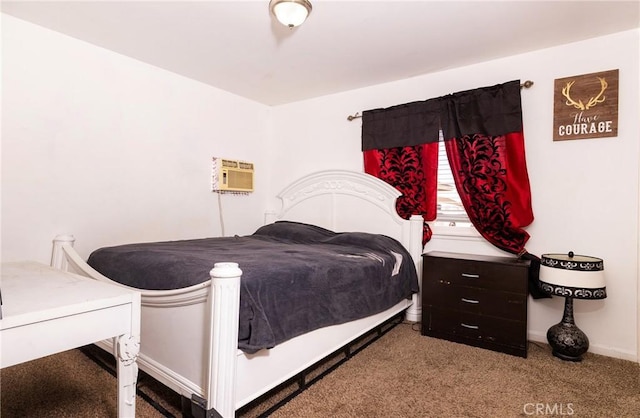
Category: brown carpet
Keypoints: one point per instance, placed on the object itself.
(401, 375)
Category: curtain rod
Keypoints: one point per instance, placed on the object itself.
(525, 85)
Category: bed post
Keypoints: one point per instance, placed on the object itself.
(224, 311)
(414, 312)
(58, 257)
(270, 217)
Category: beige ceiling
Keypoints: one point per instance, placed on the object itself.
(238, 47)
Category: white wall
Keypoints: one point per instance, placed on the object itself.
(113, 150)
(585, 192)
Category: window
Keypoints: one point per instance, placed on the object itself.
(450, 209)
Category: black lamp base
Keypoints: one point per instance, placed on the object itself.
(567, 341)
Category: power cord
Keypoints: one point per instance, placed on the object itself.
(415, 326)
(220, 214)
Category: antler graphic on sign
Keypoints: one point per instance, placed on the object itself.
(592, 101)
(599, 98)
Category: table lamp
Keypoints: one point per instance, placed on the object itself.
(574, 277)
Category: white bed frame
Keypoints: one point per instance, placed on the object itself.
(189, 336)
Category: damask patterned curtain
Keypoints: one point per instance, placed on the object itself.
(485, 146)
(483, 136)
(400, 146)
(413, 171)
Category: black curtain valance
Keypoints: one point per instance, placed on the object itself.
(402, 125)
(494, 110)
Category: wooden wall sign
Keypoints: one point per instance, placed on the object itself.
(586, 106)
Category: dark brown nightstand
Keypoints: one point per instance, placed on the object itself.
(476, 300)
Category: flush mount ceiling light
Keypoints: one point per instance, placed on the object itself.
(290, 13)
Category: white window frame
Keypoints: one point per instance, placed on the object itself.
(447, 194)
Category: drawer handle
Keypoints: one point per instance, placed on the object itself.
(471, 276)
(469, 326)
(469, 300)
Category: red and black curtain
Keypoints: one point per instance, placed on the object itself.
(400, 146)
(412, 170)
(484, 140)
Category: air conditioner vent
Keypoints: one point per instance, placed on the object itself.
(229, 163)
(245, 166)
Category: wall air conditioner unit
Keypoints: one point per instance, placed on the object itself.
(231, 176)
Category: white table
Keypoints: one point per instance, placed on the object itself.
(47, 311)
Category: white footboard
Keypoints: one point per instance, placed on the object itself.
(195, 354)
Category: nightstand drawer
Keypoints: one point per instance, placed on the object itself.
(461, 272)
(477, 301)
(465, 327)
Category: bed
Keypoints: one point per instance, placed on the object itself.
(192, 336)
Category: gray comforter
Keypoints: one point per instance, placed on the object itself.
(295, 277)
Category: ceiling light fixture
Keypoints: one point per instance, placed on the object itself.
(290, 13)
